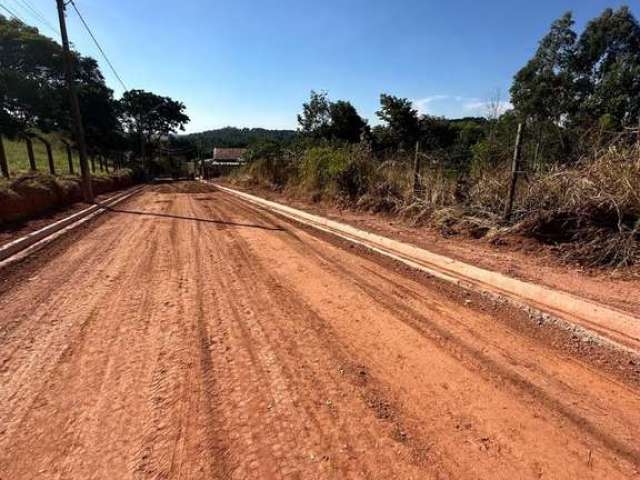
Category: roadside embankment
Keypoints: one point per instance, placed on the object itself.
(35, 193)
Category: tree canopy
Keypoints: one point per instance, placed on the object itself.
(34, 95)
(339, 120)
(584, 79)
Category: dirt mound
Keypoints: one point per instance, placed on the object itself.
(35, 193)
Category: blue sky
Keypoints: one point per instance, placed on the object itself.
(253, 63)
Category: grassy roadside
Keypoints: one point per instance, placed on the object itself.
(588, 211)
(18, 160)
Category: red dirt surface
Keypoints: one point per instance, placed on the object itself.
(188, 335)
(517, 257)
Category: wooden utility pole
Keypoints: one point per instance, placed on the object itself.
(515, 170)
(87, 190)
(4, 165)
(417, 184)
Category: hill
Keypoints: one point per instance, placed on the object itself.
(236, 137)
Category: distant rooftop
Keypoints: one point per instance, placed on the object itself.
(228, 154)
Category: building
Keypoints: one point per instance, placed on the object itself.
(224, 160)
(226, 155)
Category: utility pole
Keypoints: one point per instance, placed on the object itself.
(87, 190)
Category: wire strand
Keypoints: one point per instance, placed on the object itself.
(95, 40)
(27, 6)
(4, 7)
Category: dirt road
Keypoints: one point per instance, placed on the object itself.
(188, 335)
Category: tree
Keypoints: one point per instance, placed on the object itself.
(339, 120)
(103, 130)
(544, 88)
(316, 116)
(608, 66)
(151, 117)
(33, 95)
(346, 124)
(30, 76)
(401, 118)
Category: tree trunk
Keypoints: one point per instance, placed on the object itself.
(4, 166)
(93, 164)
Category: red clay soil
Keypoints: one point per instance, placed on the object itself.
(188, 335)
(13, 231)
(36, 195)
(517, 257)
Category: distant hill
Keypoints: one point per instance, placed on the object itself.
(231, 137)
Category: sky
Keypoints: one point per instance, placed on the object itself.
(252, 63)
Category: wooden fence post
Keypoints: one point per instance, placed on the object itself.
(47, 145)
(32, 158)
(515, 170)
(417, 184)
(4, 165)
(69, 156)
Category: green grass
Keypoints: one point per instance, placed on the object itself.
(18, 160)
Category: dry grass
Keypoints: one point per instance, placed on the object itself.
(590, 211)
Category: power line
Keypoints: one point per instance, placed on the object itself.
(27, 6)
(95, 40)
(11, 13)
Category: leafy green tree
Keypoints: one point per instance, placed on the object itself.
(608, 68)
(346, 124)
(30, 78)
(316, 115)
(33, 94)
(544, 88)
(339, 120)
(401, 119)
(151, 117)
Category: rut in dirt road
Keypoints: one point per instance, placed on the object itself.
(210, 339)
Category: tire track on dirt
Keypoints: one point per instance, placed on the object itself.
(262, 307)
(462, 352)
(214, 340)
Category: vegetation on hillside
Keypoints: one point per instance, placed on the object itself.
(578, 100)
(231, 137)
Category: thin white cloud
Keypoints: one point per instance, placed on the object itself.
(422, 104)
(487, 107)
(459, 105)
